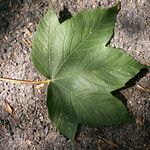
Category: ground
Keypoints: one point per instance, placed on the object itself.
(24, 122)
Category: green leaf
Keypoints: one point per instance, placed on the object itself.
(82, 69)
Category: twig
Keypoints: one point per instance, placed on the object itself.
(142, 88)
(114, 145)
(27, 42)
(25, 81)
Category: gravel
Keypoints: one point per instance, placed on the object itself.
(29, 127)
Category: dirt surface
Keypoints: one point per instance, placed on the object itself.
(28, 126)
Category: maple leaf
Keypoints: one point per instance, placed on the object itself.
(82, 69)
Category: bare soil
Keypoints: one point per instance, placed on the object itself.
(28, 126)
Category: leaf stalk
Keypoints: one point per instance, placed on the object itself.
(25, 81)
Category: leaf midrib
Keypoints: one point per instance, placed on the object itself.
(74, 49)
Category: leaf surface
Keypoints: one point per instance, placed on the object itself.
(83, 70)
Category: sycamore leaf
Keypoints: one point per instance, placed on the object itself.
(82, 69)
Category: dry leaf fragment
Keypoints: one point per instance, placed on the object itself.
(39, 87)
(9, 108)
(139, 122)
(28, 32)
